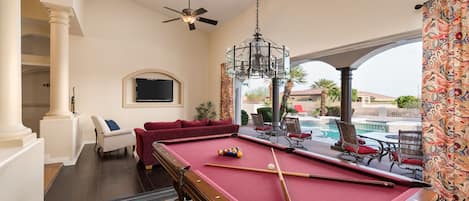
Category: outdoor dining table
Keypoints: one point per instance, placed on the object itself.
(387, 141)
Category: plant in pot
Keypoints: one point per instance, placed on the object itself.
(205, 111)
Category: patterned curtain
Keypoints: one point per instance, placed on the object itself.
(445, 97)
(226, 95)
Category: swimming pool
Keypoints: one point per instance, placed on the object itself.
(330, 130)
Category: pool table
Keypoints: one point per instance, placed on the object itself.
(185, 160)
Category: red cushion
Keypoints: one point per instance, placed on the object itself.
(408, 161)
(220, 122)
(162, 125)
(411, 161)
(263, 128)
(362, 149)
(299, 135)
(195, 123)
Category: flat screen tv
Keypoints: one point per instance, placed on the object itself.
(149, 90)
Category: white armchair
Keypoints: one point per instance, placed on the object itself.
(111, 140)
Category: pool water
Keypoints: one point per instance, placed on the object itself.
(327, 130)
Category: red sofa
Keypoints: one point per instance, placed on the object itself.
(156, 131)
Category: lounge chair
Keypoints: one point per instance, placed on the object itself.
(109, 140)
(351, 145)
(409, 153)
(260, 127)
(299, 109)
(294, 133)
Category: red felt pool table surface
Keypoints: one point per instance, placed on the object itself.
(247, 185)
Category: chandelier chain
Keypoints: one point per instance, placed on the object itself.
(258, 30)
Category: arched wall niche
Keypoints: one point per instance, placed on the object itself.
(129, 93)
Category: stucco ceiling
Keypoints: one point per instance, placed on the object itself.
(221, 10)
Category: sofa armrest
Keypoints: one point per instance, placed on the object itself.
(118, 132)
(139, 132)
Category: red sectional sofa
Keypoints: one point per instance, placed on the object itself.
(156, 131)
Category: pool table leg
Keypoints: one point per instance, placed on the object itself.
(179, 191)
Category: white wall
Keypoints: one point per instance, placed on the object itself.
(122, 37)
(307, 26)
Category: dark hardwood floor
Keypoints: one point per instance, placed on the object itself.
(113, 176)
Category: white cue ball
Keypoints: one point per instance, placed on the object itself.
(271, 166)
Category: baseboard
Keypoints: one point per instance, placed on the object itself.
(66, 161)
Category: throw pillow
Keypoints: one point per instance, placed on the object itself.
(221, 122)
(162, 125)
(195, 123)
(112, 125)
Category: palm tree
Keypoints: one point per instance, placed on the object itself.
(325, 85)
(297, 76)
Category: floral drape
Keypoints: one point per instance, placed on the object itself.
(445, 97)
(226, 95)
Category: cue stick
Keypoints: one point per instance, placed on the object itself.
(280, 176)
(306, 175)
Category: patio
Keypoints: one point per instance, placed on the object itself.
(319, 145)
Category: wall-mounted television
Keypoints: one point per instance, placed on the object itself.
(158, 90)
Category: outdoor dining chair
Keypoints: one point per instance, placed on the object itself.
(260, 127)
(294, 133)
(409, 153)
(351, 145)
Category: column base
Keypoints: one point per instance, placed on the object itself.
(61, 139)
(66, 115)
(24, 138)
(22, 172)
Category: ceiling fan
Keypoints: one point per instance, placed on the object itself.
(189, 16)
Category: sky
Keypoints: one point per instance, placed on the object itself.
(394, 72)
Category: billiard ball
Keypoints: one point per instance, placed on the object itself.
(271, 166)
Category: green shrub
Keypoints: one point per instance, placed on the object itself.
(408, 102)
(316, 112)
(266, 113)
(333, 111)
(291, 111)
(244, 118)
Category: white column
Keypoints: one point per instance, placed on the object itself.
(11, 125)
(238, 85)
(59, 64)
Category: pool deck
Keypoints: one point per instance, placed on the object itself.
(321, 145)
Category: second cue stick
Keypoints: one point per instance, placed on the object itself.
(306, 175)
(280, 176)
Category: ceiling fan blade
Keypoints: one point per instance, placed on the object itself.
(170, 20)
(174, 10)
(192, 26)
(208, 21)
(199, 11)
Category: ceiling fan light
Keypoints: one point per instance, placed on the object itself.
(188, 19)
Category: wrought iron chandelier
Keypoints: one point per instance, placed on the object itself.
(258, 57)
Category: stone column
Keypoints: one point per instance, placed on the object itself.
(11, 124)
(345, 100)
(238, 100)
(276, 104)
(346, 95)
(59, 62)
